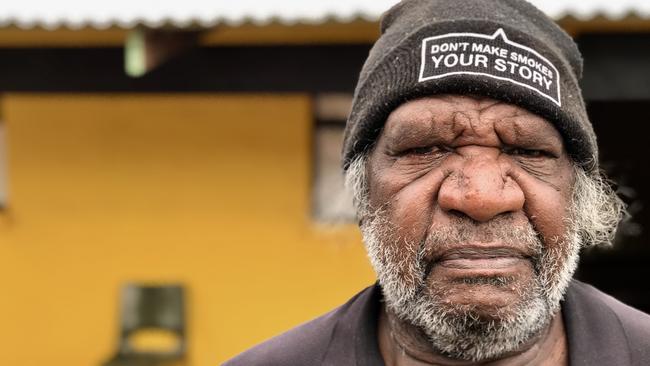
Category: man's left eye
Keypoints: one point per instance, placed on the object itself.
(424, 150)
(530, 153)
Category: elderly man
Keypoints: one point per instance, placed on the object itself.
(474, 167)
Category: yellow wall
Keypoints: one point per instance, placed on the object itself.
(209, 190)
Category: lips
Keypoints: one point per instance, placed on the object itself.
(480, 258)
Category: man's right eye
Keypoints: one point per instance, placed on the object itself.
(430, 150)
(424, 150)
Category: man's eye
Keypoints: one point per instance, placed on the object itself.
(525, 152)
(424, 150)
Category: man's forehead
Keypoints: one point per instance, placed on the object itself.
(457, 114)
(450, 103)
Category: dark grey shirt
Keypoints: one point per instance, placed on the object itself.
(600, 331)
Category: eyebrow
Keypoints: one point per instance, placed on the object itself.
(522, 131)
(410, 127)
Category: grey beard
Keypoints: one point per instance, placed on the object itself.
(460, 331)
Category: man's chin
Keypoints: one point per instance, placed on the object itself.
(473, 313)
(488, 295)
(487, 300)
(478, 318)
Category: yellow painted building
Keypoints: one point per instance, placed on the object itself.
(212, 191)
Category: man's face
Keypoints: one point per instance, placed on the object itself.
(468, 225)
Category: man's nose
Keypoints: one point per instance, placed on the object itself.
(481, 189)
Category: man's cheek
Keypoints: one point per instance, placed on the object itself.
(401, 255)
(411, 210)
(546, 206)
(552, 228)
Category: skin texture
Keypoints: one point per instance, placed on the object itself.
(444, 157)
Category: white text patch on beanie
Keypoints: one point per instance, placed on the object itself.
(493, 56)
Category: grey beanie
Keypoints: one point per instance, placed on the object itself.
(503, 49)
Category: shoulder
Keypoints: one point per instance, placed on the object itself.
(305, 344)
(630, 317)
(302, 345)
(635, 323)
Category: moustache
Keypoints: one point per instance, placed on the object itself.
(465, 238)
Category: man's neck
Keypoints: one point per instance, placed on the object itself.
(402, 344)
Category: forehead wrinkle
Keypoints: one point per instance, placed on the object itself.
(479, 101)
(422, 121)
(453, 119)
(471, 120)
(527, 128)
(410, 126)
(487, 103)
(445, 125)
(469, 125)
(509, 127)
(518, 129)
(503, 110)
(512, 123)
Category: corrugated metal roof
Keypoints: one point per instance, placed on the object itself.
(588, 9)
(207, 13)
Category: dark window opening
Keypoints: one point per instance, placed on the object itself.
(331, 202)
(623, 270)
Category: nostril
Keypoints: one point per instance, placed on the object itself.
(457, 213)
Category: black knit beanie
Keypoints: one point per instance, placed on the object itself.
(503, 49)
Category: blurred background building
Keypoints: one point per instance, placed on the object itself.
(188, 152)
